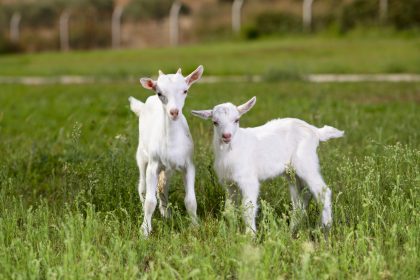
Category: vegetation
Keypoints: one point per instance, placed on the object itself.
(69, 207)
(293, 56)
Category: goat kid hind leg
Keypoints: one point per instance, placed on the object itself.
(190, 199)
(300, 198)
(310, 174)
(150, 201)
(322, 194)
(142, 165)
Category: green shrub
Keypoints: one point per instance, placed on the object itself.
(401, 14)
(250, 32)
(89, 33)
(278, 23)
(152, 9)
(404, 14)
(272, 23)
(358, 12)
(6, 46)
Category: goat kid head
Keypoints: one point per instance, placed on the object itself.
(172, 89)
(225, 118)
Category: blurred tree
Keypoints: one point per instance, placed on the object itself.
(39, 13)
(400, 14)
(273, 23)
(149, 9)
(358, 12)
(152, 9)
(404, 14)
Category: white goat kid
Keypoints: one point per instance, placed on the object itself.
(165, 143)
(246, 156)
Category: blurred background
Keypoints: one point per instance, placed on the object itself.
(44, 25)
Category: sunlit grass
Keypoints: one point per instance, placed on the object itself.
(69, 207)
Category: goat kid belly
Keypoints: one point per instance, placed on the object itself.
(175, 159)
(272, 163)
(272, 152)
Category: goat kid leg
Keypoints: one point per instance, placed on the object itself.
(232, 195)
(249, 204)
(190, 200)
(163, 193)
(142, 164)
(297, 204)
(297, 201)
(322, 195)
(307, 168)
(150, 201)
(300, 199)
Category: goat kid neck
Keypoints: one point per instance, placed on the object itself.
(173, 130)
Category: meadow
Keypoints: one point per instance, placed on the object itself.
(295, 55)
(69, 207)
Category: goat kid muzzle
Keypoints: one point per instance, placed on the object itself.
(173, 114)
(226, 137)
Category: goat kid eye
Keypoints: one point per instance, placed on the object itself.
(185, 91)
(216, 123)
(237, 121)
(159, 94)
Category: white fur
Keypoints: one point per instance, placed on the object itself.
(165, 143)
(252, 155)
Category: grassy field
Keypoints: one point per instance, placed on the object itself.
(300, 55)
(69, 206)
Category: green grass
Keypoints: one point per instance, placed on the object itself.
(296, 55)
(69, 207)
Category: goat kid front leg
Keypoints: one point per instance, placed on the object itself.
(190, 200)
(250, 190)
(150, 200)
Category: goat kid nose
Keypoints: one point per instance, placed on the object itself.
(174, 112)
(226, 135)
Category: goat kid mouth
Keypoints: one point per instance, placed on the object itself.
(226, 141)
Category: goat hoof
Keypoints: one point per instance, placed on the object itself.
(194, 221)
(145, 230)
(250, 232)
(165, 212)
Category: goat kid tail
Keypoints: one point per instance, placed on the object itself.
(329, 132)
(135, 105)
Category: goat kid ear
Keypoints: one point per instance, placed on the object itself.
(179, 71)
(195, 75)
(204, 114)
(247, 106)
(148, 83)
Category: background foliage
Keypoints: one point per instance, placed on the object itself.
(91, 21)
